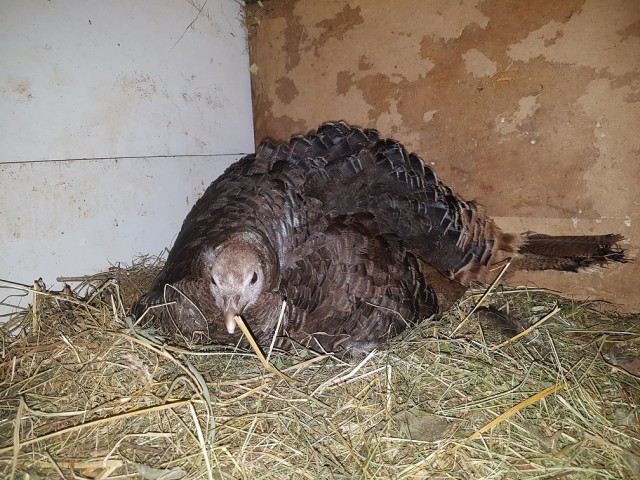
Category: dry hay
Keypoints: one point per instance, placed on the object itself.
(87, 397)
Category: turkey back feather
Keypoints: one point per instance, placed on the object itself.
(406, 198)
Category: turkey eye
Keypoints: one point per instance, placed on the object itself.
(254, 279)
(213, 281)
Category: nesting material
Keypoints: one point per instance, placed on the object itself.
(88, 396)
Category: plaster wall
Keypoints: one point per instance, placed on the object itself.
(530, 108)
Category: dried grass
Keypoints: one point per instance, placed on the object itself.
(86, 396)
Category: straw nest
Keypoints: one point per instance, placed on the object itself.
(83, 395)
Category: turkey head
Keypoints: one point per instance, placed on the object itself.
(240, 270)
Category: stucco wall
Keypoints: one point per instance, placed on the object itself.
(531, 108)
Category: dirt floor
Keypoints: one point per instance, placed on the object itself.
(530, 108)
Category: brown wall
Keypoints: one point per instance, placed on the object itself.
(531, 108)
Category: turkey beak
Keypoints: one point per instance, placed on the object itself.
(230, 320)
(230, 308)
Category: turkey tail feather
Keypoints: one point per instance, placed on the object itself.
(569, 252)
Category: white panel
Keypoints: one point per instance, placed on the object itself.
(122, 78)
(78, 216)
(154, 93)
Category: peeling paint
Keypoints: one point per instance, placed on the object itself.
(344, 81)
(428, 116)
(510, 123)
(286, 90)
(339, 24)
(478, 64)
(608, 178)
(590, 38)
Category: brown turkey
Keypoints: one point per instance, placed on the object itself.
(357, 237)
